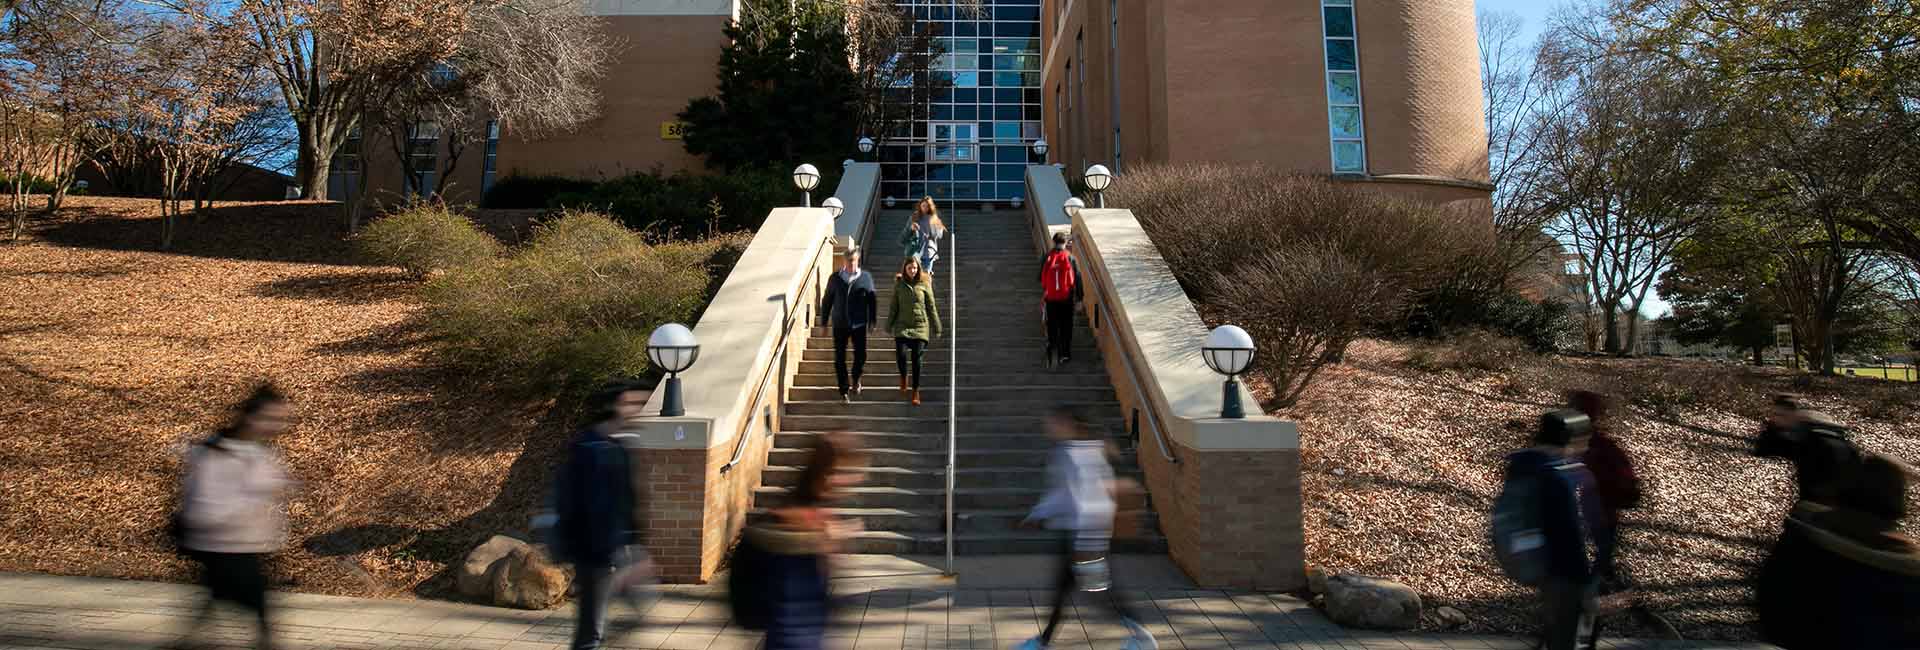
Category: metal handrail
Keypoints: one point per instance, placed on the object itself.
(953, 382)
(789, 309)
(1133, 376)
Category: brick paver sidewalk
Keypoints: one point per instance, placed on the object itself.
(38, 611)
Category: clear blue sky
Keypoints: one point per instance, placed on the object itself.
(1535, 14)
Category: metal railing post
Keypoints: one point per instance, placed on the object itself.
(953, 382)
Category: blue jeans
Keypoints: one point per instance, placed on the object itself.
(593, 587)
(927, 258)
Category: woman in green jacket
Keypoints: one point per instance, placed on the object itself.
(914, 320)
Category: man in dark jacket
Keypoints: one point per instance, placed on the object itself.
(850, 305)
(1567, 589)
(595, 507)
(1842, 575)
(1814, 442)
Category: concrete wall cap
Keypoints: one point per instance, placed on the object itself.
(663, 8)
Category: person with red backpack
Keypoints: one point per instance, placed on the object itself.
(1614, 480)
(1059, 287)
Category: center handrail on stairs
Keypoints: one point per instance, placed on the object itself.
(1103, 292)
(953, 381)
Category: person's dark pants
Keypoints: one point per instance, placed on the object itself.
(592, 589)
(1067, 584)
(1059, 329)
(1606, 541)
(1564, 615)
(858, 335)
(236, 578)
(903, 348)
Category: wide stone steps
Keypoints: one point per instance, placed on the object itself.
(808, 400)
(1005, 393)
(886, 402)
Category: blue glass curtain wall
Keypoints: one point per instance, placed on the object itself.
(974, 145)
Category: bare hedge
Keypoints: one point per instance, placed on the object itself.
(1305, 264)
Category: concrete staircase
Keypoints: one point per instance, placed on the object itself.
(1004, 390)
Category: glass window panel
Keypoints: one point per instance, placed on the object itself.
(1006, 113)
(893, 173)
(1006, 131)
(917, 190)
(1006, 79)
(939, 172)
(1341, 3)
(1340, 55)
(1345, 121)
(942, 13)
(965, 79)
(988, 62)
(1013, 154)
(1033, 112)
(943, 132)
(988, 154)
(941, 112)
(1339, 21)
(1030, 130)
(965, 191)
(1012, 95)
(966, 172)
(1026, 62)
(1017, 13)
(966, 29)
(893, 189)
(967, 61)
(1031, 95)
(1029, 79)
(1024, 29)
(1349, 157)
(1343, 88)
(966, 112)
(1011, 172)
(986, 44)
(986, 80)
(1012, 190)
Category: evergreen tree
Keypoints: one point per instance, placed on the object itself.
(788, 93)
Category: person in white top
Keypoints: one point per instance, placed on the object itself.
(1079, 503)
(231, 508)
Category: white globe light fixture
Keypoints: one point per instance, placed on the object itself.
(1040, 149)
(846, 163)
(834, 206)
(673, 348)
(866, 145)
(889, 201)
(806, 177)
(1098, 179)
(1073, 206)
(1019, 203)
(1228, 351)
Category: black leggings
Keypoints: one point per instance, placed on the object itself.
(236, 578)
(905, 347)
(1066, 585)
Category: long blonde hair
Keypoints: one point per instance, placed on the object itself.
(932, 211)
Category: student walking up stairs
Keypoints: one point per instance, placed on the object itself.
(1005, 388)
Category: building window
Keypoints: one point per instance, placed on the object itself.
(1346, 123)
(423, 143)
(490, 166)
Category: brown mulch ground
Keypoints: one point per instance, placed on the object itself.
(1400, 468)
(115, 355)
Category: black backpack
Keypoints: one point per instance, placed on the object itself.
(747, 588)
(177, 522)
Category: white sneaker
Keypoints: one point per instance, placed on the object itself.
(1030, 644)
(1141, 639)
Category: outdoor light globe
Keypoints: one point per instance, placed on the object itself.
(1228, 350)
(673, 348)
(834, 206)
(1073, 206)
(1098, 178)
(889, 201)
(846, 163)
(866, 145)
(1018, 202)
(1040, 147)
(806, 177)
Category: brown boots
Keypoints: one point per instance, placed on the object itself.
(916, 397)
(903, 385)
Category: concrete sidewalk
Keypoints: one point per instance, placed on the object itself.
(889, 604)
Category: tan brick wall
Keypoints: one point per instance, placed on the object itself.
(674, 509)
(1231, 518)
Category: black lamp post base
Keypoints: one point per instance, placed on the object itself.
(1230, 400)
(672, 406)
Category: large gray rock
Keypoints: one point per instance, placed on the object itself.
(1372, 603)
(475, 577)
(525, 579)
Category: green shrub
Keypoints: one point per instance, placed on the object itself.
(35, 184)
(570, 310)
(684, 204)
(1448, 311)
(531, 192)
(426, 237)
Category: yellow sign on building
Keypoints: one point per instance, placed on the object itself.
(672, 130)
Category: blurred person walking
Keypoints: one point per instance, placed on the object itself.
(779, 577)
(1615, 482)
(921, 239)
(850, 306)
(1814, 442)
(1059, 288)
(231, 510)
(1539, 530)
(594, 505)
(1842, 575)
(1079, 503)
(914, 320)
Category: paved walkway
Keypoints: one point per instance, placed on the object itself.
(890, 605)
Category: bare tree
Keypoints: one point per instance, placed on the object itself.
(1623, 164)
(67, 65)
(1515, 94)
